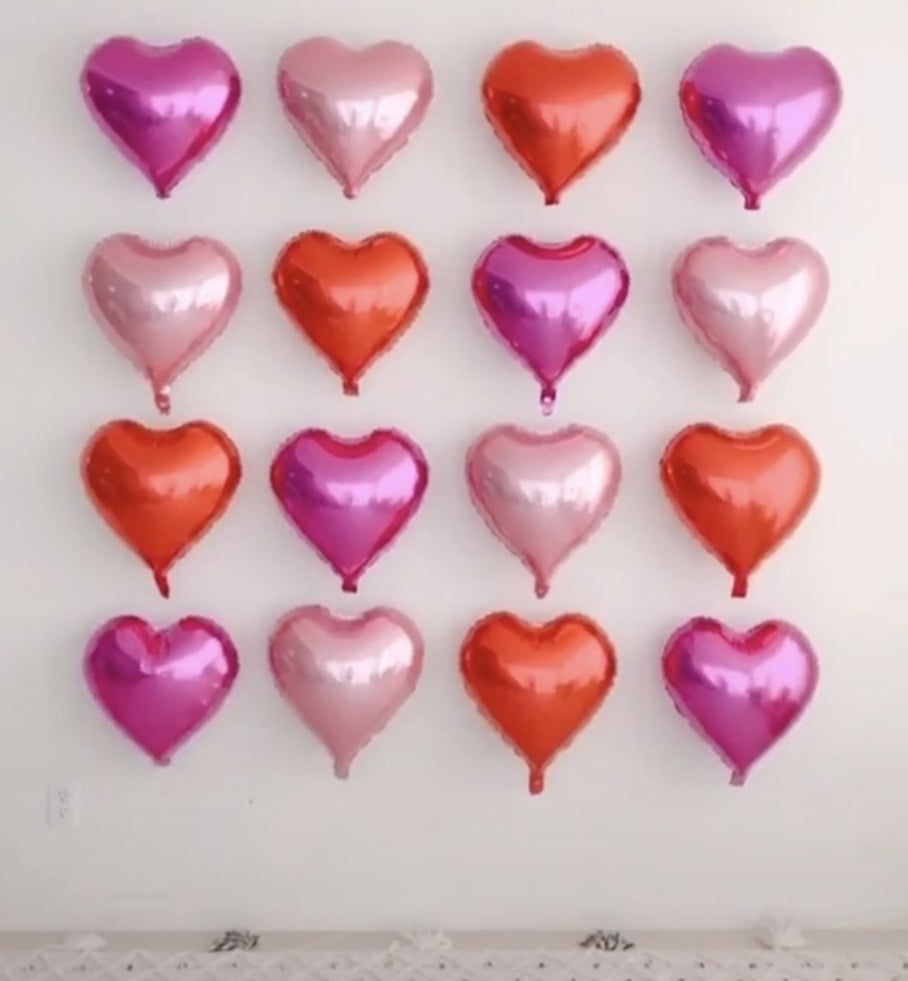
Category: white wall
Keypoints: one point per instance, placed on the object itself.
(638, 826)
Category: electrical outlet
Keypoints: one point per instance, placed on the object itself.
(62, 805)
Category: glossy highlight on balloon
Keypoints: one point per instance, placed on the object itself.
(160, 687)
(537, 685)
(558, 112)
(549, 303)
(354, 109)
(163, 107)
(740, 494)
(161, 306)
(756, 116)
(345, 677)
(543, 494)
(741, 692)
(750, 306)
(349, 498)
(352, 300)
(160, 490)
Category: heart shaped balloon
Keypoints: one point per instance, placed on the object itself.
(349, 498)
(160, 490)
(756, 116)
(740, 494)
(163, 107)
(160, 686)
(750, 307)
(354, 109)
(740, 691)
(537, 685)
(558, 112)
(162, 306)
(345, 677)
(351, 300)
(550, 303)
(543, 494)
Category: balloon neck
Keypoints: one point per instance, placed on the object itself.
(162, 761)
(738, 777)
(341, 769)
(349, 585)
(349, 192)
(160, 580)
(552, 198)
(751, 201)
(537, 781)
(162, 399)
(747, 394)
(739, 587)
(542, 588)
(350, 387)
(547, 399)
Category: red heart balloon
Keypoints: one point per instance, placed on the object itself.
(160, 490)
(351, 300)
(741, 494)
(538, 685)
(558, 112)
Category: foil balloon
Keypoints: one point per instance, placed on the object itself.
(741, 692)
(543, 494)
(351, 300)
(160, 687)
(750, 307)
(161, 306)
(345, 677)
(756, 116)
(740, 494)
(163, 107)
(558, 112)
(354, 109)
(550, 303)
(537, 685)
(160, 490)
(349, 498)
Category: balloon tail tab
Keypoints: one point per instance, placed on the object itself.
(751, 201)
(746, 394)
(350, 387)
(552, 198)
(162, 399)
(349, 586)
(162, 760)
(341, 769)
(739, 587)
(541, 588)
(350, 192)
(537, 781)
(738, 777)
(160, 580)
(547, 399)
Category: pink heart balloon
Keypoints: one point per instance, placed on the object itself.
(160, 686)
(345, 677)
(756, 116)
(349, 498)
(740, 691)
(162, 306)
(750, 307)
(354, 109)
(543, 494)
(164, 107)
(550, 303)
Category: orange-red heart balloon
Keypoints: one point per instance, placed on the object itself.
(351, 299)
(741, 494)
(537, 685)
(558, 112)
(160, 490)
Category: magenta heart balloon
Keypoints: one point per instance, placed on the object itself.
(543, 494)
(750, 307)
(160, 686)
(550, 303)
(162, 306)
(163, 107)
(345, 677)
(740, 692)
(349, 498)
(756, 116)
(354, 109)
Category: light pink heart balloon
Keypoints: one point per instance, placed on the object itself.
(162, 306)
(354, 108)
(750, 306)
(543, 494)
(345, 677)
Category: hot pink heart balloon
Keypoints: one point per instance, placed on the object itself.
(160, 686)
(354, 108)
(345, 677)
(550, 303)
(750, 307)
(162, 306)
(756, 116)
(163, 107)
(543, 494)
(349, 498)
(740, 692)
